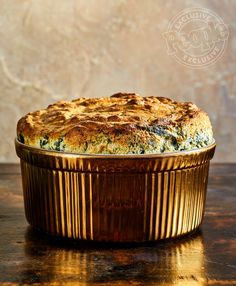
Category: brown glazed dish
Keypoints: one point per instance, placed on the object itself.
(119, 198)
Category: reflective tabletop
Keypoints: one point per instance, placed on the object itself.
(205, 257)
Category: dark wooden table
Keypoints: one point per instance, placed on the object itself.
(207, 257)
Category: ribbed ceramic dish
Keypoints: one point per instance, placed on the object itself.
(119, 198)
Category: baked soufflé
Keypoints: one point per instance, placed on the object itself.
(125, 123)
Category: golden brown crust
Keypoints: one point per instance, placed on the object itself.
(123, 123)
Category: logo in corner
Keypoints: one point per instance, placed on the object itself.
(196, 37)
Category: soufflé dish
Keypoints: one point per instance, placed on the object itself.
(124, 168)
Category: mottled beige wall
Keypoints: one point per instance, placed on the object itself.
(59, 49)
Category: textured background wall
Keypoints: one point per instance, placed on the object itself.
(51, 50)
